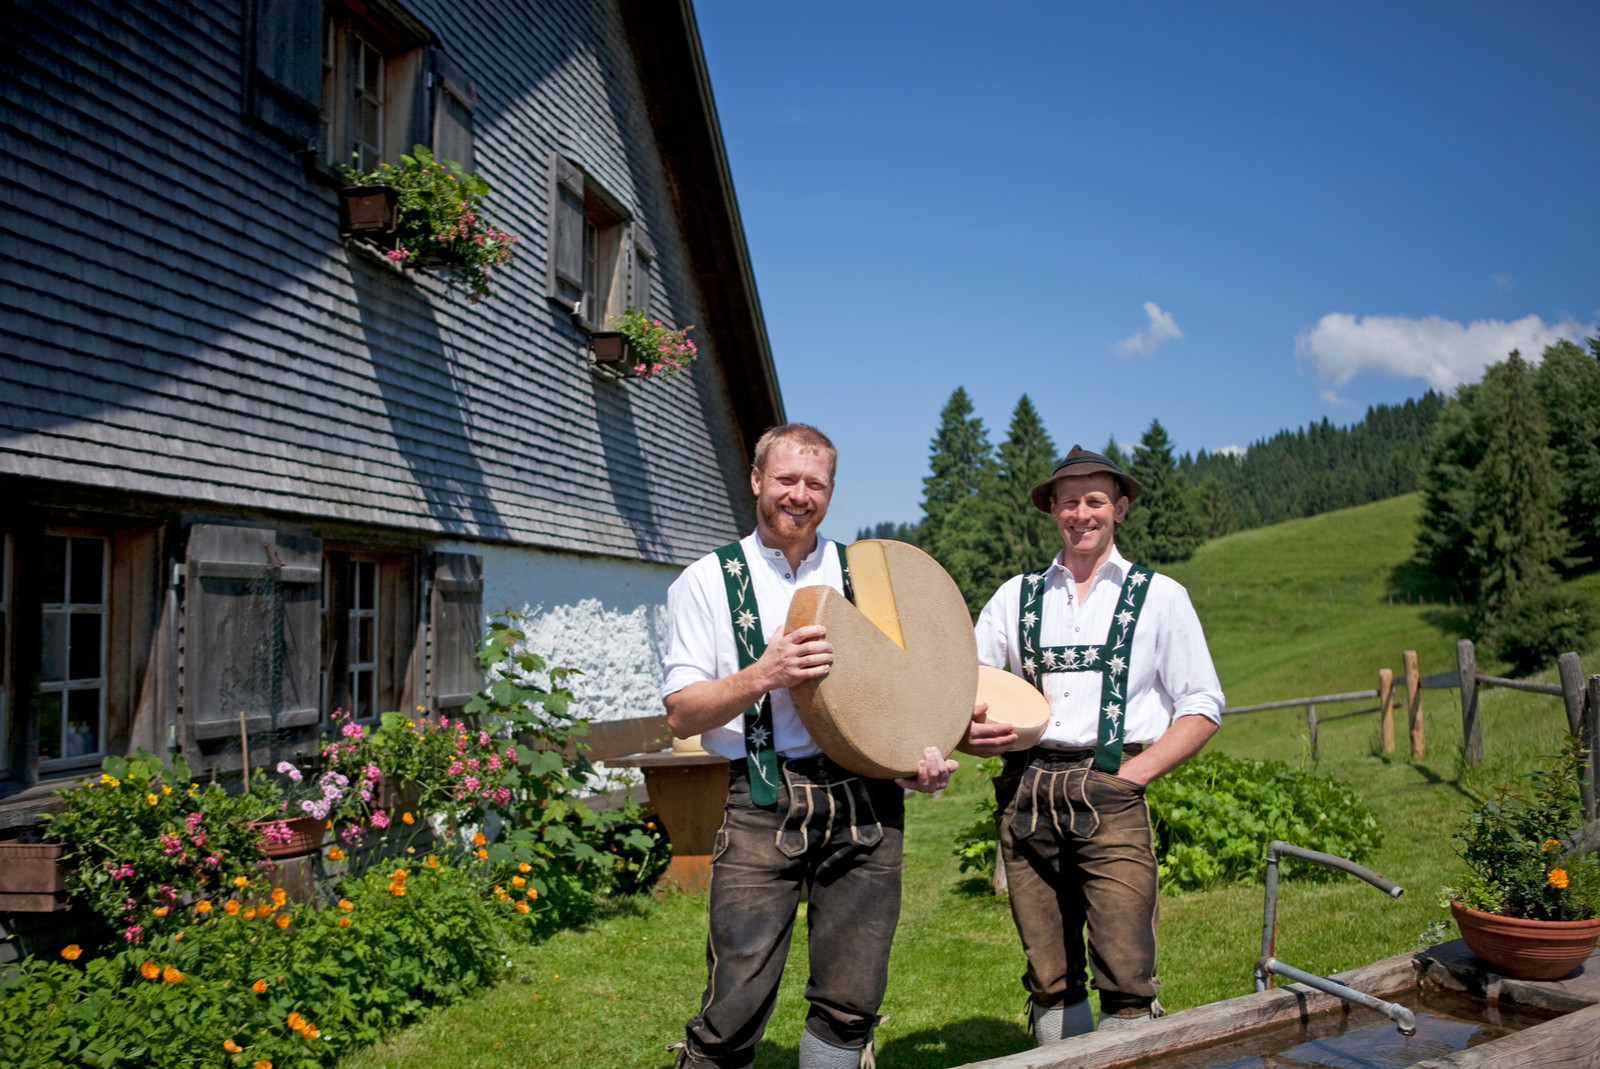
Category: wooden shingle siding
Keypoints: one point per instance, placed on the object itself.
(179, 316)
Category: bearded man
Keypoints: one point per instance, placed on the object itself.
(794, 817)
(1118, 651)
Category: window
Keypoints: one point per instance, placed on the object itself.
(370, 617)
(73, 572)
(369, 94)
(5, 653)
(363, 639)
(600, 257)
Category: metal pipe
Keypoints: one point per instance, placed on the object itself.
(1269, 909)
(1404, 1019)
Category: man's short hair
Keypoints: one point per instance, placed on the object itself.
(805, 439)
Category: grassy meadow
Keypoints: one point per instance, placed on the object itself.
(1299, 609)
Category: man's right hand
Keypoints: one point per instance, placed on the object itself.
(794, 658)
(984, 739)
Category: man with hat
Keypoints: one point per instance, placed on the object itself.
(1118, 651)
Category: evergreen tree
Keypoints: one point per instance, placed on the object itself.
(1130, 532)
(960, 457)
(1568, 384)
(1113, 452)
(1165, 524)
(1215, 503)
(1444, 534)
(894, 532)
(1024, 537)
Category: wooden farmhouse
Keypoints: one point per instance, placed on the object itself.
(252, 472)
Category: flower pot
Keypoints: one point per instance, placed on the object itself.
(1529, 950)
(611, 354)
(369, 213)
(305, 836)
(32, 879)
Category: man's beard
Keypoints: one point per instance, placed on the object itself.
(782, 524)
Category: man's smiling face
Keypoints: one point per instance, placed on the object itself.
(792, 494)
(1087, 509)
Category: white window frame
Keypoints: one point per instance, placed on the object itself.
(66, 686)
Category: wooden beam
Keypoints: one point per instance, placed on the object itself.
(1311, 728)
(1591, 738)
(1386, 704)
(1576, 701)
(1471, 730)
(1419, 745)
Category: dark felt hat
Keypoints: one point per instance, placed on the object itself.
(1082, 462)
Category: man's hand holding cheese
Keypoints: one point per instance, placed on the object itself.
(1118, 652)
(794, 817)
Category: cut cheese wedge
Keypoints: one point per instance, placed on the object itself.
(1013, 700)
(905, 663)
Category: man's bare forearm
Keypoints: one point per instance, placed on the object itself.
(1185, 738)
(712, 703)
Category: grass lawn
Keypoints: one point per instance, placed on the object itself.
(617, 992)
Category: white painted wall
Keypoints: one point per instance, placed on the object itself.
(603, 616)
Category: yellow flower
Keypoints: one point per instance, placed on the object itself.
(194, 789)
(240, 881)
(1558, 878)
(482, 852)
(160, 911)
(346, 904)
(259, 987)
(231, 906)
(152, 799)
(1551, 844)
(166, 788)
(524, 867)
(478, 839)
(283, 920)
(518, 881)
(231, 1047)
(202, 907)
(278, 896)
(408, 818)
(522, 907)
(110, 780)
(171, 975)
(149, 970)
(335, 854)
(71, 951)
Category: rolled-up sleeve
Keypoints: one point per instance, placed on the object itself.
(1183, 662)
(691, 654)
(993, 629)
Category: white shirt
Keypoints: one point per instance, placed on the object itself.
(700, 643)
(1169, 672)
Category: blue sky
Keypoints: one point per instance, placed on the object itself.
(1235, 217)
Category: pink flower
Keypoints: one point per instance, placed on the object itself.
(397, 255)
(472, 763)
(349, 747)
(502, 795)
(511, 754)
(193, 820)
(134, 933)
(483, 738)
(129, 906)
(494, 762)
(214, 860)
(120, 870)
(352, 832)
(444, 721)
(372, 771)
(380, 819)
(471, 783)
(171, 844)
(455, 768)
(351, 731)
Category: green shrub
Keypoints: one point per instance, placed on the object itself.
(1539, 624)
(1215, 815)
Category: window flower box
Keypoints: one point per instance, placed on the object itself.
(612, 355)
(32, 879)
(291, 837)
(370, 214)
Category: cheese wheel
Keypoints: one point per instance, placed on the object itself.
(1013, 700)
(905, 663)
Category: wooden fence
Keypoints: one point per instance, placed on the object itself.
(1581, 698)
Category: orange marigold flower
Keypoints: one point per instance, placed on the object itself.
(171, 975)
(259, 987)
(522, 907)
(160, 911)
(263, 1064)
(327, 826)
(1551, 844)
(310, 1031)
(517, 881)
(346, 904)
(295, 1021)
(283, 920)
(532, 893)
(250, 914)
(524, 867)
(397, 889)
(150, 970)
(433, 862)
(1558, 878)
(231, 1047)
(241, 881)
(71, 951)
(400, 875)
(335, 854)
(278, 896)
(177, 936)
(344, 922)
(231, 907)
(478, 839)
(202, 907)
(408, 818)
(482, 852)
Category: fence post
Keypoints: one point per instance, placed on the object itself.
(1311, 726)
(1591, 731)
(1419, 746)
(1471, 732)
(1572, 693)
(1386, 703)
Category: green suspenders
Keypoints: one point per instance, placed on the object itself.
(750, 639)
(1110, 659)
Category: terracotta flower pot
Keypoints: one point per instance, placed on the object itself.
(1529, 950)
(305, 836)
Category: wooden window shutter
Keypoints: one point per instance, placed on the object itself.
(283, 68)
(644, 254)
(566, 231)
(251, 645)
(455, 623)
(455, 99)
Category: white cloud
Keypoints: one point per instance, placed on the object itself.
(1231, 451)
(1503, 283)
(1441, 352)
(1163, 328)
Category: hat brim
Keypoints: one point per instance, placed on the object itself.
(1130, 486)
